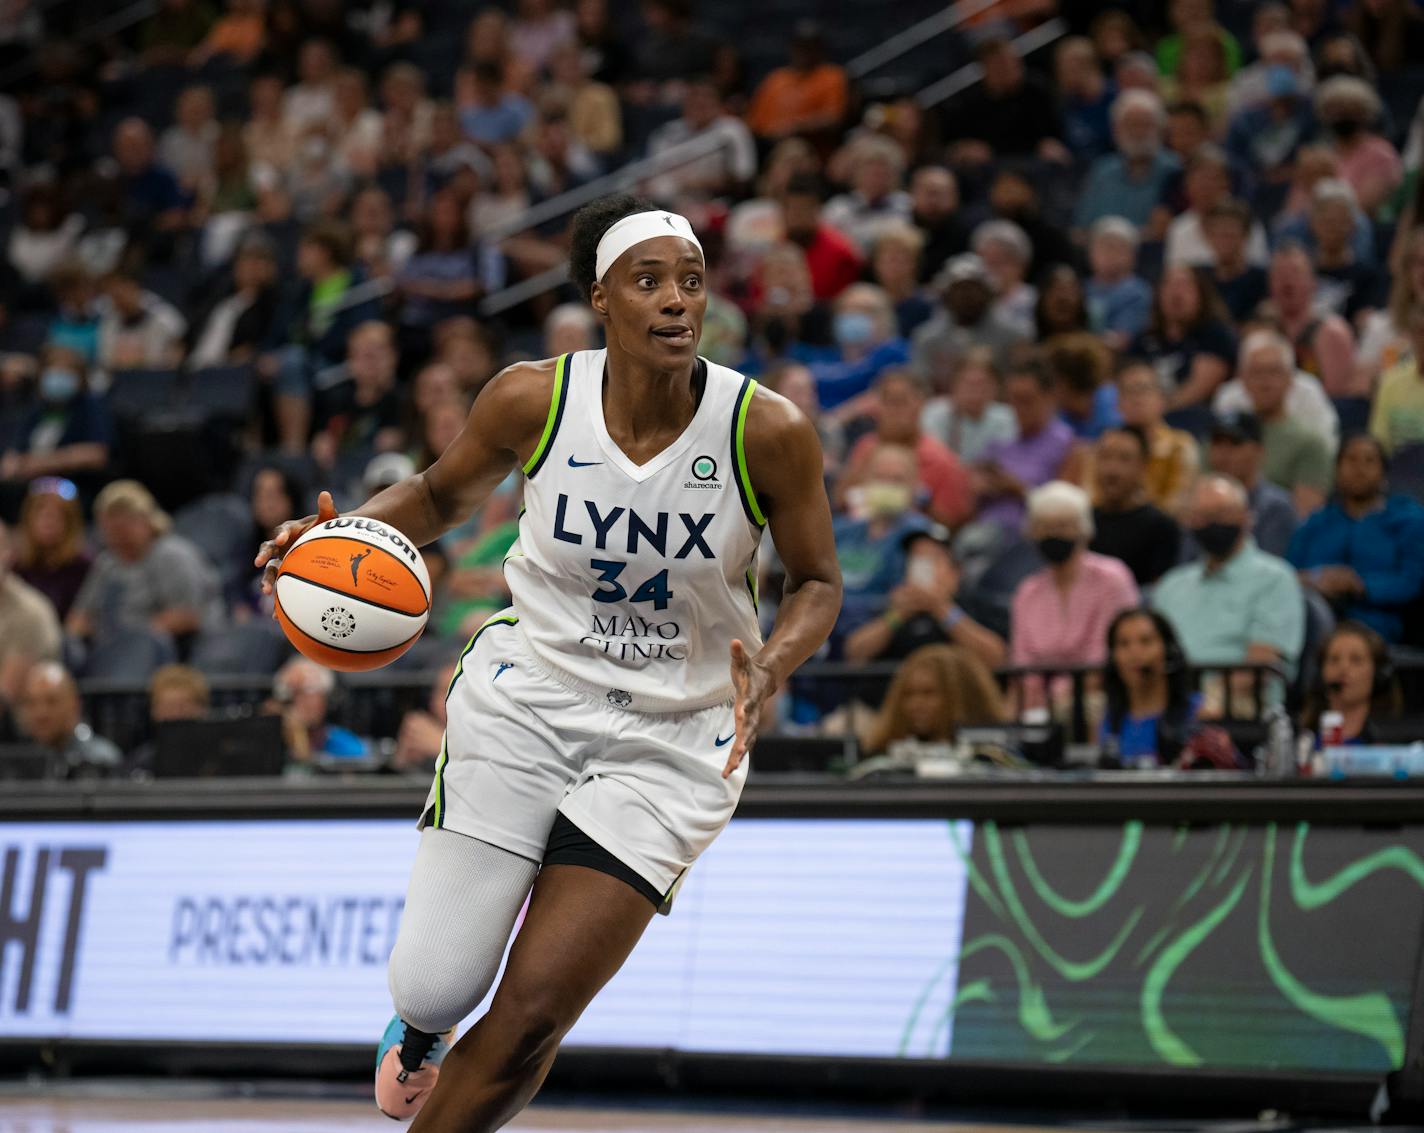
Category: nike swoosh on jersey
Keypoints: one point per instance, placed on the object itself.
(583, 463)
(724, 742)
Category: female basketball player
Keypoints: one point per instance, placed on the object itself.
(597, 727)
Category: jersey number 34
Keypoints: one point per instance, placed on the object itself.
(654, 590)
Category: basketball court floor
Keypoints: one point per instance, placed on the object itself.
(194, 1106)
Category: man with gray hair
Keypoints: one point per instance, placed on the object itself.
(1236, 603)
(1297, 459)
(1128, 183)
(1306, 403)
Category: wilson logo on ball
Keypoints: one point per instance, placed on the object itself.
(353, 594)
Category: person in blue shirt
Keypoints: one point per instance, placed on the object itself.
(867, 344)
(1364, 551)
(1151, 708)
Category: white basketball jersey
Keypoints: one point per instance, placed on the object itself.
(630, 581)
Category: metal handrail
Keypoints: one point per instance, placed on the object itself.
(947, 19)
(971, 73)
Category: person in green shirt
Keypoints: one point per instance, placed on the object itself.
(1397, 418)
(1297, 458)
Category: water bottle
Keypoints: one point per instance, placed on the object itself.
(1280, 744)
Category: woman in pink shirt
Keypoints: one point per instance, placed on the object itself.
(1349, 110)
(1061, 613)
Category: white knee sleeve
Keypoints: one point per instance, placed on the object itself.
(460, 908)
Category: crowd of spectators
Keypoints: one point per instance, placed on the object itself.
(1137, 324)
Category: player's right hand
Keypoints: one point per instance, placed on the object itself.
(269, 554)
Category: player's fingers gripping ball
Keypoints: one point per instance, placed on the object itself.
(352, 594)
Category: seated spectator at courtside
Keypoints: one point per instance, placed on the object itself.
(359, 414)
(138, 330)
(50, 553)
(1151, 708)
(1240, 283)
(1080, 365)
(869, 536)
(900, 399)
(971, 417)
(1127, 525)
(868, 343)
(925, 609)
(68, 432)
(50, 715)
(967, 319)
(1129, 182)
(1235, 449)
(1237, 603)
(832, 257)
(1061, 612)
(1172, 458)
(807, 96)
(1011, 113)
(795, 383)
(301, 694)
(1297, 459)
(1119, 302)
(1397, 416)
(1188, 339)
(236, 325)
(730, 166)
(310, 334)
(1305, 400)
(936, 690)
(1323, 343)
(1352, 681)
(875, 199)
(1364, 550)
(1009, 470)
(895, 266)
(175, 692)
(146, 578)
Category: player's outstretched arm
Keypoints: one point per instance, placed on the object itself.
(784, 460)
(503, 427)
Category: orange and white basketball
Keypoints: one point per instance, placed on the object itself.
(353, 594)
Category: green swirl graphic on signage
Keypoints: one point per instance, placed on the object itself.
(1206, 946)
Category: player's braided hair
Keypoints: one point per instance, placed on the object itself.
(589, 225)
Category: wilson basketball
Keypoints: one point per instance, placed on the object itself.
(353, 594)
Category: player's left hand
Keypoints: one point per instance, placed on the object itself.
(754, 686)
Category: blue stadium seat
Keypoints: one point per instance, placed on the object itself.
(223, 392)
(135, 394)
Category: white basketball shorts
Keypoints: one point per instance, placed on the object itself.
(521, 747)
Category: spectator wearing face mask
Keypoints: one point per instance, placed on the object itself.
(1235, 450)
(68, 432)
(867, 344)
(869, 535)
(1237, 603)
(1061, 612)
(1349, 111)
(900, 399)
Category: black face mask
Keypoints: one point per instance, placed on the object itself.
(1056, 550)
(1346, 128)
(1217, 539)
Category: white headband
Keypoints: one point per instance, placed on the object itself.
(636, 228)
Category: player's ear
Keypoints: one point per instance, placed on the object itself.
(598, 299)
